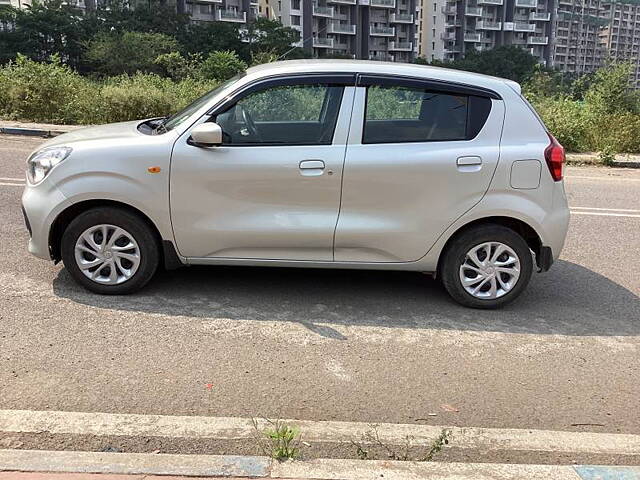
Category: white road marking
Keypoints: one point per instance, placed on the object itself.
(236, 428)
(12, 184)
(7, 179)
(603, 178)
(606, 209)
(601, 214)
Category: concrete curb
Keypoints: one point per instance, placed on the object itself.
(263, 467)
(237, 428)
(134, 463)
(31, 132)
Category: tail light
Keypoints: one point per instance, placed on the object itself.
(554, 155)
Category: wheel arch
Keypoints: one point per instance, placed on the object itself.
(169, 256)
(522, 228)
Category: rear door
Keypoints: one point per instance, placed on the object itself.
(420, 154)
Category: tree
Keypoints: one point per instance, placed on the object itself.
(221, 66)
(204, 38)
(42, 30)
(129, 52)
(506, 61)
(265, 35)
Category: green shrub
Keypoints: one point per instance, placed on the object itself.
(616, 132)
(566, 120)
(221, 66)
(40, 92)
(131, 97)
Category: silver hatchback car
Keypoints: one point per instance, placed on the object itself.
(338, 164)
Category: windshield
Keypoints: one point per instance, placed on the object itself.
(179, 117)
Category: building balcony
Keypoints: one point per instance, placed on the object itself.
(538, 40)
(383, 3)
(527, 3)
(401, 46)
(449, 9)
(322, 42)
(452, 49)
(471, 37)
(401, 18)
(232, 16)
(326, 12)
(473, 11)
(202, 17)
(382, 57)
(448, 35)
(524, 27)
(207, 1)
(341, 29)
(452, 23)
(490, 2)
(344, 2)
(539, 17)
(382, 31)
(488, 25)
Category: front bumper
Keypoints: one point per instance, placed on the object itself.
(41, 205)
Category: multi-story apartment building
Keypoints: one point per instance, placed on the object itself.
(576, 45)
(234, 11)
(458, 26)
(366, 29)
(16, 3)
(621, 37)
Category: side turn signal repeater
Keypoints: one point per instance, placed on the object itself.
(154, 169)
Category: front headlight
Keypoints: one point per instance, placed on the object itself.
(40, 163)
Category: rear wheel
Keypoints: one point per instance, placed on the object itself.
(110, 251)
(486, 267)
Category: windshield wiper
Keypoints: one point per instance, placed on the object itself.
(160, 125)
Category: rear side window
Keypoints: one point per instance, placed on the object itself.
(396, 114)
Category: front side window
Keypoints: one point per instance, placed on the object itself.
(407, 114)
(283, 115)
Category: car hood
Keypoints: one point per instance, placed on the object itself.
(110, 131)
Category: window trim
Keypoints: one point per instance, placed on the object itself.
(342, 79)
(441, 86)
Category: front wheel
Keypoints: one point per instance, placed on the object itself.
(110, 251)
(486, 267)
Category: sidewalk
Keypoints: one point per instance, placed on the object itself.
(476, 444)
(48, 465)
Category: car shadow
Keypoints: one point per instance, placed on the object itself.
(568, 300)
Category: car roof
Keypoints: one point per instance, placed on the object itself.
(381, 68)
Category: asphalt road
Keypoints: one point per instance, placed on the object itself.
(335, 345)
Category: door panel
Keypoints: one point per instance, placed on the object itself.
(259, 202)
(398, 198)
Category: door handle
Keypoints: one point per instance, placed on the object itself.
(310, 168)
(469, 164)
(311, 164)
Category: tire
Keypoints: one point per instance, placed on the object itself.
(134, 254)
(487, 239)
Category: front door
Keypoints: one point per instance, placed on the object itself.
(272, 189)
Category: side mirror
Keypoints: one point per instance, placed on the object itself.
(207, 134)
